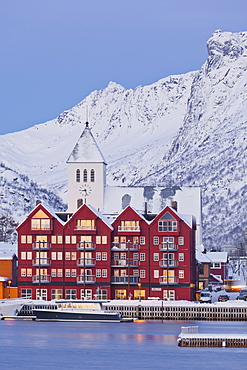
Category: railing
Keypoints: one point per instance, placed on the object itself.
(168, 247)
(129, 228)
(43, 279)
(41, 245)
(92, 228)
(86, 279)
(86, 262)
(171, 280)
(131, 263)
(125, 246)
(83, 246)
(125, 279)
(171, 263)
(41, 261)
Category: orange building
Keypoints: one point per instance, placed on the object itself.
(8, 271)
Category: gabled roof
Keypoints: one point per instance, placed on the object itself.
(188, 219)
(131, 209)
(86, 149)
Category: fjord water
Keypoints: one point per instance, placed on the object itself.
(139, 345)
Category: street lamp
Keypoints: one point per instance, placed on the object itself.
(139, 292)
(9, 283)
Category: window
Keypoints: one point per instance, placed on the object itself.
(142, 274)
(29, 239)
(142, 240)
(53, 256)
(180, 240)
(23, 239)
(59, 256)
(73, 256)
(156, 256)
(59, 239)
(67, 239)
(53, 239)
(26, 293)
(169, 294)
(98, 239)
(181, 274)
(23, 255)
(85, 175)
(116, 239)
(181, 257)
(85, 225)
(139, 294)
(29, 273)
(104, 239)
(135, 273)
(156, 240)
(122, 256)
(40, 221)
(56, 294)
(73, 239)
(98, 273)
(53, 272)
(101, 294)
(115, 256)
(78, 176)
(104, 273)
(23, 272)
(67, 256)
(156, 274)
(92, 177)
(98, 256)
(129, 226)
(73, 272)
(59, 273)
(142, 256)
(29, 255)
(216, 265)
(120, 294)
(67, 272)
(135, 240)
(70, 294)
(135, 256)
(167, 223)
(104, 256)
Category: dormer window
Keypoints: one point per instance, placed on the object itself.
(85, 175)
(78, 175)
(167, 223)
(92, 176)
(40, 221)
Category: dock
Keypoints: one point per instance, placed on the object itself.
(189, 337)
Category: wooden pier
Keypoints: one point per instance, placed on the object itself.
(190, 337)
(179, 310)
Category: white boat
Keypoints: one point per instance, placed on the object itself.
(77, 310)
(10, 307)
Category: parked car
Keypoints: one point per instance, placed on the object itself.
(223, 298)
(205, 297)
(241, 297)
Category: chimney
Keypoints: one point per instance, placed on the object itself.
(174, 205)
(38, 202)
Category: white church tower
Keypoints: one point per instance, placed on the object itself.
(86, 173)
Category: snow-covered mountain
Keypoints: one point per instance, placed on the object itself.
(185, 130)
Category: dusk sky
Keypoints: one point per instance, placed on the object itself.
(55, 52)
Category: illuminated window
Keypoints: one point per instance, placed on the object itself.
(29, 272)
(129, 226)
(40, 221)
(73, 256)
(73, 239)
(29, 255)
(53, 239)
(73, 272)
(53, 272)
(59, 256)
(23, 239)
(104, 239)
(59, 239)
(67, 255)
(85, 224)
(23, 272)
(56, 294)
(29, 239)
(23, 255)
(181, 274)
(67, 239)
(135, 239)
(98, 239)
(67, 272)
(60, 273)
(53, 255)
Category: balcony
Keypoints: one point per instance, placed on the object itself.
(171, 247)
(120, 247)
(41, 246)
(125, 263)
(135, 229)
(172, 280)
(86, 279)
(85, 228)
(125, 279)
(41, 279)
(42, 262)
(86, 262)
(85, 246)
(170, 264)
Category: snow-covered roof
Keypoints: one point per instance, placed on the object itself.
(217, 278)
(86, 149)
(3, 278)
(211, 257)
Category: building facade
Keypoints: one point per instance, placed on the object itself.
(129, 254)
